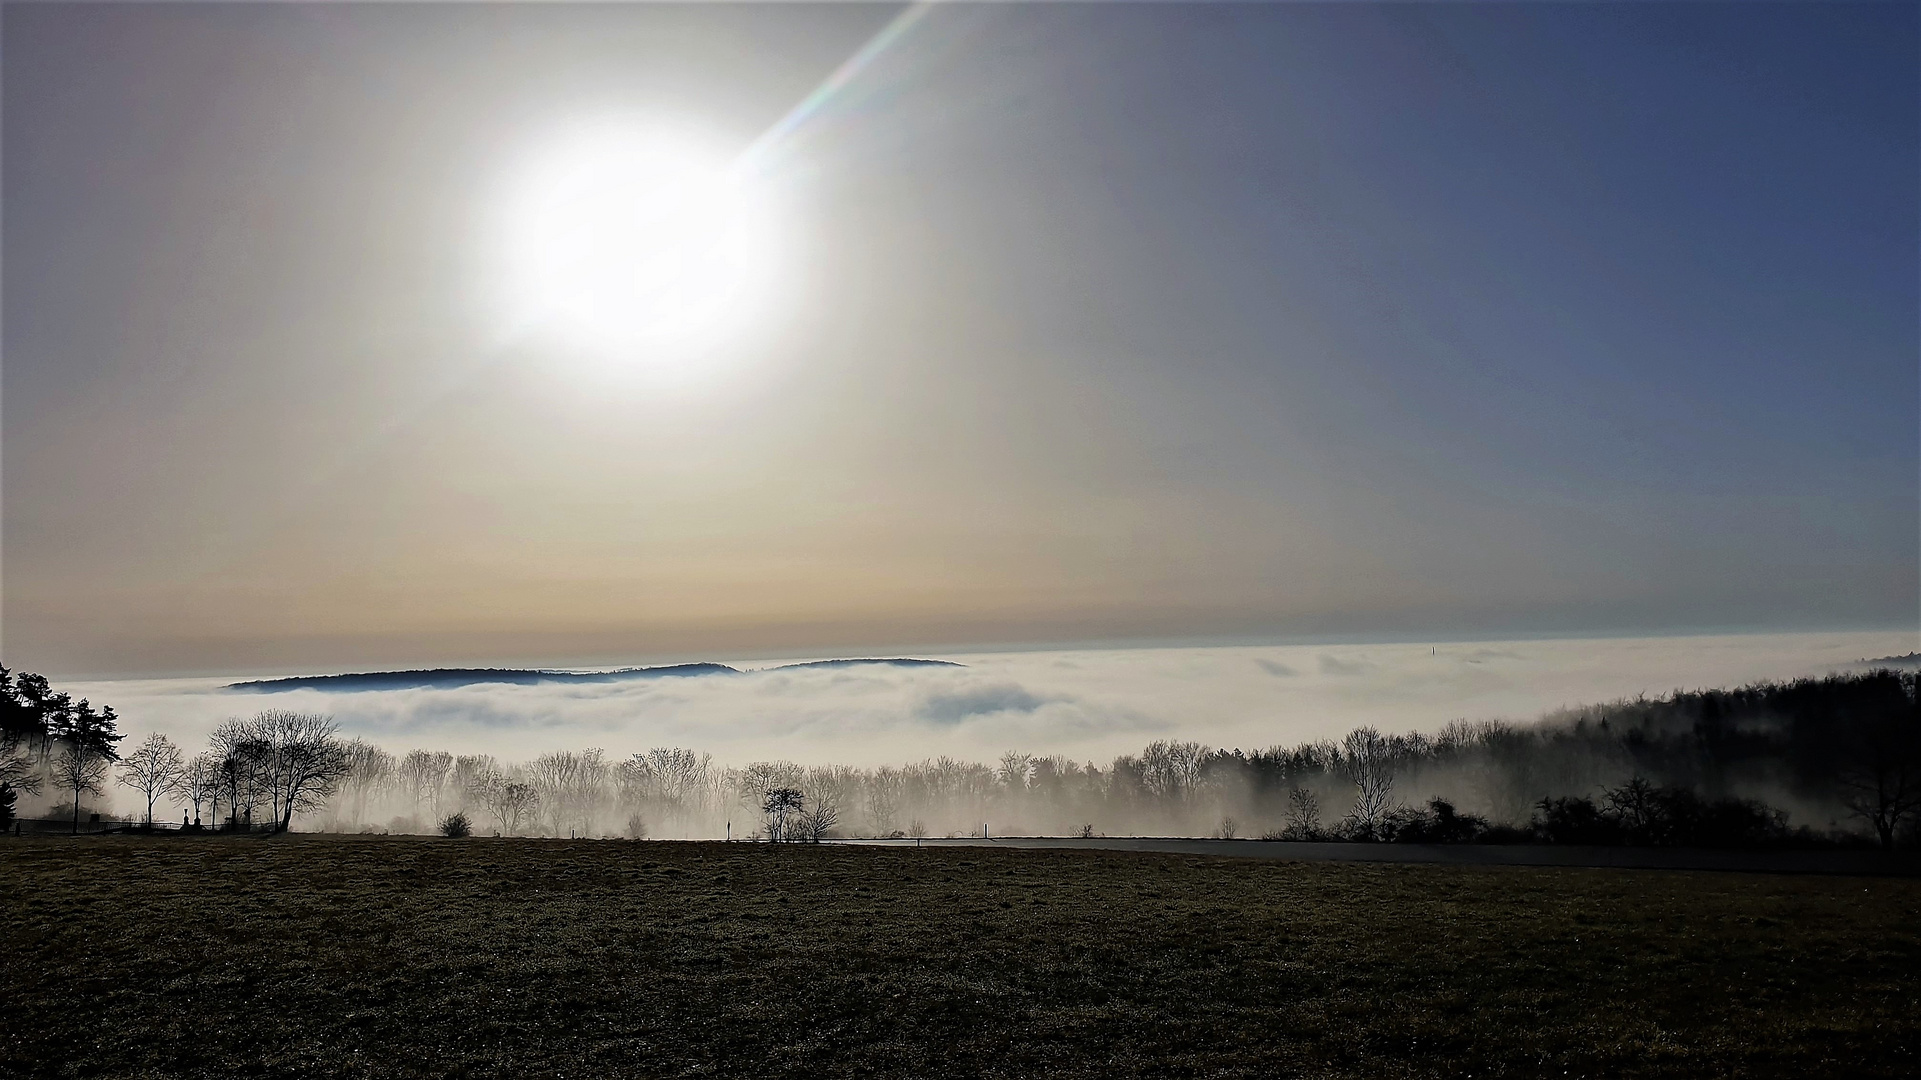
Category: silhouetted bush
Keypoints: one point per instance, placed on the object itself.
(456, 825)
(1735, 823)
(1575, 820)
(1507, 834)
(1641, 813)
(1437, 823)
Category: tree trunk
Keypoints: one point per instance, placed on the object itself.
(286, 808)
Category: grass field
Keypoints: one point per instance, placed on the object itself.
(373, 956)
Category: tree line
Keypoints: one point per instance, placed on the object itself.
(1810, 761)
(283, 763)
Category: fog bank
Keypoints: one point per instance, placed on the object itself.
(1086, 705)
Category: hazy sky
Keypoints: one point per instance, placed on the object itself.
(1086, 323)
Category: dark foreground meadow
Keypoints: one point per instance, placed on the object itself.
(363, 956)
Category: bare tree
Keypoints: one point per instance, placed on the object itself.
(201, 783)
(80, 772)
(18, 772)
(18, 768)
(780, 806)
(245, 774)
(423, 772)
(508, 800)
(1015, 770)
(468, 773)
(884, 798)
(553, 776)
(243, 764)
(516, 802)
(1366, 758)
(1880, 777)
(573, 787)
(814, 823)
(309, 761)
(1636, 805)
(369, 768)
(1303, 815)
(681, 781)
(1172, 769)
(760, 777)
(636, 787)
(153, 768)
(670, 783)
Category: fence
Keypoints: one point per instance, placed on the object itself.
(96, 824)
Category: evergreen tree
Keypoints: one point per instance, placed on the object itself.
(87, 741)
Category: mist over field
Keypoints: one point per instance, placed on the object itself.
(1085, 705)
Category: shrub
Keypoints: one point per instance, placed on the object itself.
(1575, 820)
(1677, 816)
(1739, 823)
(1641, 813)
(636, 828)
(1355, 829)
(456, 824)
(1438, 823)
(814, 823)
(1508, 834)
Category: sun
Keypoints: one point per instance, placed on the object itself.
(637, 242)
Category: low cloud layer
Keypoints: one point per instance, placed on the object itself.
(1087, 705)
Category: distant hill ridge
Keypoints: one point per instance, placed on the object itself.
(446, 678)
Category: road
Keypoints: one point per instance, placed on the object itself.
(1851, 861)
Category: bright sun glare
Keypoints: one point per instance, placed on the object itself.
(637, 243)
